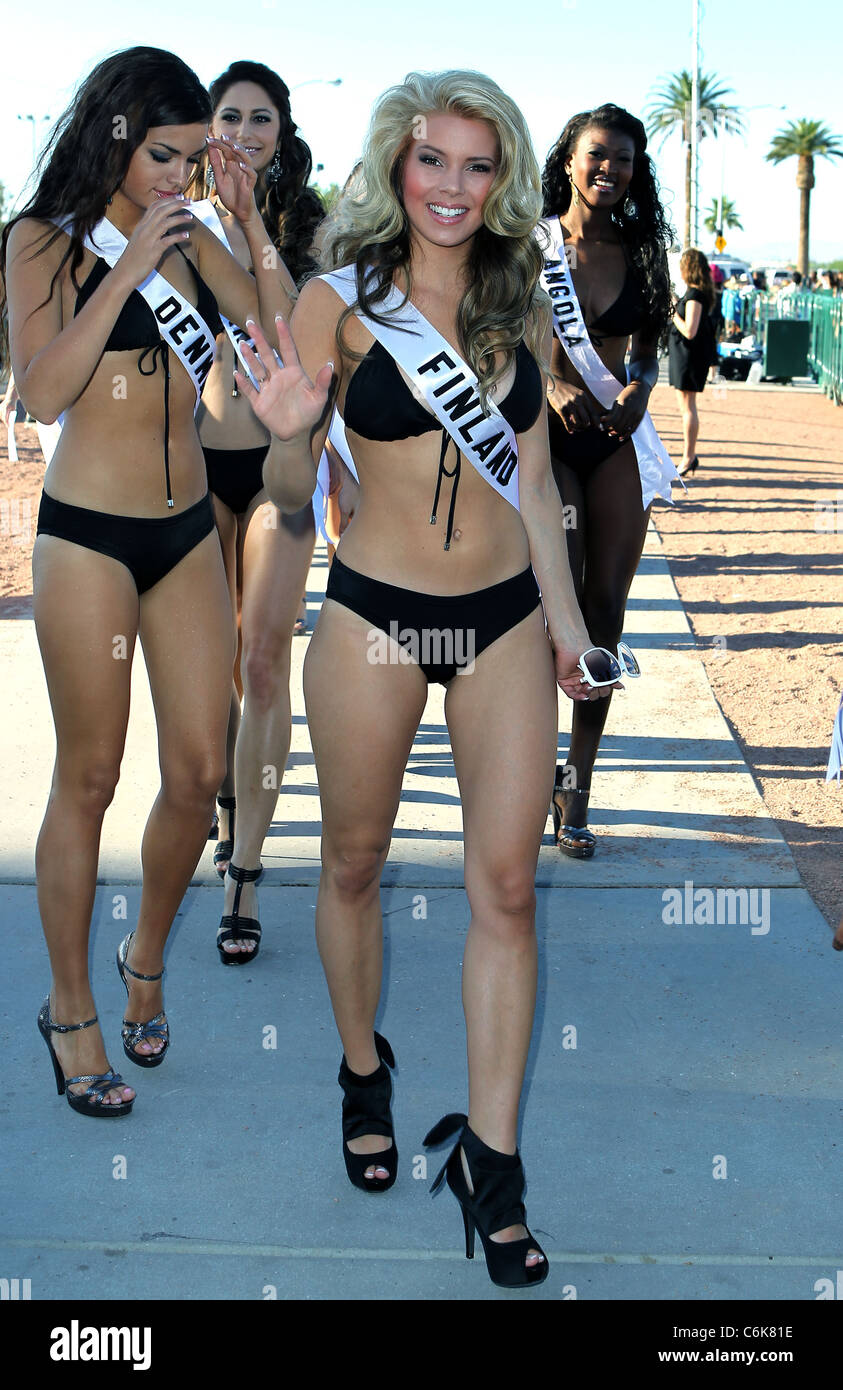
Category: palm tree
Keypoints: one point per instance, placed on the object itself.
(730, 216)
(804, 139)
(670, 111)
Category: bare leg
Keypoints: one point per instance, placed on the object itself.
(188, 655)
(86, 616)
(227, 529)
(276, 557)
(362, 728)
(690, 425)
(502, 720)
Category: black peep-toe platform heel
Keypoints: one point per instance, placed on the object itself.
(90, 1102)
(233, 927)
(366, 1110)
(495, 1203)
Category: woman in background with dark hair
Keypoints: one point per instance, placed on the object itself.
(126, 544)
(599, 182)
(691, 347)
(267, 555)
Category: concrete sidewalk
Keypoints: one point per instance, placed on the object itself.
(682, 1104)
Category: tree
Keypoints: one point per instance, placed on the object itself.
(3, 197)
(670, 112)
(329, 195)
(804, 140)
(730, 216)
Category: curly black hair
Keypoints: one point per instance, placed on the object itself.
(291, 210)
(89, 152)
(641, 221)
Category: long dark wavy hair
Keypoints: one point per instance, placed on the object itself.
(90, 149)
(640, 218)
(291, 211)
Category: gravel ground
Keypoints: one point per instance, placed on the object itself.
(755, 552)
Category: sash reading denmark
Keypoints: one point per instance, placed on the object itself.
(655, 467)
(179, 322)
(446, 382)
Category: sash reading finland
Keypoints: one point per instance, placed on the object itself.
(208, 215)
(655, 466)
(445, 381)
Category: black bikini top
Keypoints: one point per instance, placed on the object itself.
(625, 316)
(137, 327)
(380, 405)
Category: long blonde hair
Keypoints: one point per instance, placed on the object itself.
(370, 229)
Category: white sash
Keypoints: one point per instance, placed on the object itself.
(207, 214)
(180, 324)
(655, 466)
(446, 382)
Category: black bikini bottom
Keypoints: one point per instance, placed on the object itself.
(584, 450)
(441, 633)
(235, 476)
(149, 546)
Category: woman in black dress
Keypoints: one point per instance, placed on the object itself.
(691, 348)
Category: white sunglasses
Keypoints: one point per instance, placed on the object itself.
(601, 667)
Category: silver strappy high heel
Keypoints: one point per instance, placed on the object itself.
(153, 1029)
(90, 1102)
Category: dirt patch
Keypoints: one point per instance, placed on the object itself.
(755, 552)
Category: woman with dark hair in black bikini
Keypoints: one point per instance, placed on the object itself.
(267, 555)
(599, 182)
(126, 544)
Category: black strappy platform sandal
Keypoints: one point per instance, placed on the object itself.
(366, 1110)
(154, 1029)
(90, 1102)
(225, 848)
(498, 1182)
(575, 840)
(233, 927)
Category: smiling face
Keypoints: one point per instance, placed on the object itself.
(447, 176)
(247, 115)
(601, 166)
(163, 165)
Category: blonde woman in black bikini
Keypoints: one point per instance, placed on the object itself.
(445, 212)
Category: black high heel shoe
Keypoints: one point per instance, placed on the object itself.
(233, 927)
(98, 1084)
(225, 848)
(692, 467)
(575, 840)
(365, 1110)
(154, 1029)
(495, 1203)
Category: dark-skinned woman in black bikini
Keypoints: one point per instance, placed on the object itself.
(599, 182)
(445, 212)
(267, 555)
(126, 544)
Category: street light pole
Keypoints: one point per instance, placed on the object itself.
(695, 132)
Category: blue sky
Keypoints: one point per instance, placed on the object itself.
(553, 60)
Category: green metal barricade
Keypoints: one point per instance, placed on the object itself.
(823, 312)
